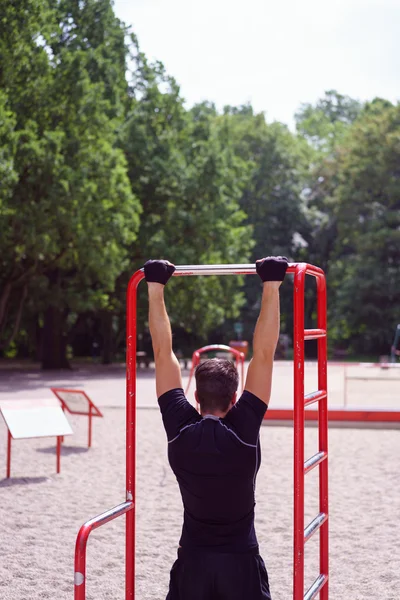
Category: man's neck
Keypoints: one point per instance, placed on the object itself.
(218, 414)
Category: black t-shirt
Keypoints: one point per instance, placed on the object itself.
(215, 461)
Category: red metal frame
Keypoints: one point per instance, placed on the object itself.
(9, 438)
(239, 359)
(93, 411)
(339, 415)
(9, 445)
(301, 467)
(301, 535)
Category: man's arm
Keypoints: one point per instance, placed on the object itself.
(266, 334)
(168, 372)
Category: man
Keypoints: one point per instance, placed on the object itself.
(215, 455)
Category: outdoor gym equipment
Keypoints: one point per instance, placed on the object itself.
(301, 468)
(196, 358)
(34, 419)
(77, 402)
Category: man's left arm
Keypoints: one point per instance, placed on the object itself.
(168, 372)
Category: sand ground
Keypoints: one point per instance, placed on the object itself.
(41, 512)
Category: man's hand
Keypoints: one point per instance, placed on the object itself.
(158, 271)
(272, 268)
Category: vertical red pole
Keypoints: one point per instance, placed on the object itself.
(9, 438)
(131, 328)
(90, 427)
(58, 453)
(62, 437)
(323, 434)
(298, 365)
(80, 564)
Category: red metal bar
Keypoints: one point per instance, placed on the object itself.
(58, 453)
(315, 460)
(131, 334)
(301, 535)
(299, 270)
(9, 438)
(63, 409)
(298, 501)
(316, 587)
(298, 505)
(314, 397)
(96, 412)
(323, 434)
(81, 543)
(90, 427)
(195, 359)
(239, 357)
(314, 334)
(314, 526)
(338, 415)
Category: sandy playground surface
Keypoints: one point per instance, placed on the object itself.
(41, 512)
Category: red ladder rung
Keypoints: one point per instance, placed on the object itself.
(314, 526)
(314, 334)
(316, 587)
(315, 460)
(314, 397)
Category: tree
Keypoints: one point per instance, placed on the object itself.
(275, 161)
(71, 214)
(324, 124)
(367, 251)
(189, 185)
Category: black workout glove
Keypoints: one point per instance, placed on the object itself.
(272, 268)
(158, 271)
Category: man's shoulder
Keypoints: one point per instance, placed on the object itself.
(177, 412)
(248, 402)
(245, 417)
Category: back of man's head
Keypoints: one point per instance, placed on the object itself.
(216, 383)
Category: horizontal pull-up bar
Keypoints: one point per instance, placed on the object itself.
(248, 269)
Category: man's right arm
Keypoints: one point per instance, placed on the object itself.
(266, 334)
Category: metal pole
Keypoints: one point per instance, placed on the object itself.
(90, 427)
(323, 435)
(237, 269)
(9, 438)
(131, 332)
(298, 365)
(300, 270)
(58, 453)
(81, 543)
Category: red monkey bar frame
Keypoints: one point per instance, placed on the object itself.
(301, 534)
(239, 359)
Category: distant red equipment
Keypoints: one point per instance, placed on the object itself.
(196, 358)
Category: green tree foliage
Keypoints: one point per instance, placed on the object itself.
(70, 213)
(275, 162)
(189, 184)
(366, 270)
(102, 166)
(324, 124)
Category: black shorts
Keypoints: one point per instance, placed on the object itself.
(213, 576)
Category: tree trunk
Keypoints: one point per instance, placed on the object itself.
(107, 337)
(54, 339)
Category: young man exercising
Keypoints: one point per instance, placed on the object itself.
(216, 455)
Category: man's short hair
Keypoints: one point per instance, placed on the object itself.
(217, 381)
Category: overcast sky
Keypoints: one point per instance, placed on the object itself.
(275, 54)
